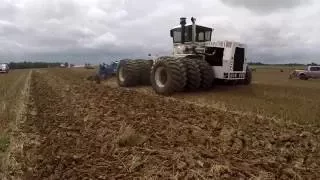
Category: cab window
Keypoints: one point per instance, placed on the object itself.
(314, 68)
(208, 35)
(176, 36)
(201, 36)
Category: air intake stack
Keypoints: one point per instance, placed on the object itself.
(183, 29)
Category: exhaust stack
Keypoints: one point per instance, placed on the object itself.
(183, 29)
(193, 20)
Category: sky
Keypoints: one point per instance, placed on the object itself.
(95, 31)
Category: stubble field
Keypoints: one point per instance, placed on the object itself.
(13, 94)
(76, 129)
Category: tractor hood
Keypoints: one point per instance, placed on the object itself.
(299, 70)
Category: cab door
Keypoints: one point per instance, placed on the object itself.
(315, 72)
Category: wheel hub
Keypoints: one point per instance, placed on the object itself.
(161, 77)
(121, 74)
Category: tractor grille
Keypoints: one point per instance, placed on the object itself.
(238, 59)
(234, 75)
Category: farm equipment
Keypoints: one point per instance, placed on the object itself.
(310, 72)
(4, 68)
(88, 66)
(105, 71)
(195, 63)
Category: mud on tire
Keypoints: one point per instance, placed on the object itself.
(128, 73)
(168, 76)
(193, 73)
(207, 74)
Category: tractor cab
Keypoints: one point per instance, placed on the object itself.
(187, 37)
(203, 34)
(227, 58)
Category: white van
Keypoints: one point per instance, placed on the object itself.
(4, 68)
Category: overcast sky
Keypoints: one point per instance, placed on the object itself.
(78, 31)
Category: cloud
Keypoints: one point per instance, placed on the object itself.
(265, 6)
(104, 30)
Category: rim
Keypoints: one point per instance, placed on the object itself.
(121, 74)
(161, 77)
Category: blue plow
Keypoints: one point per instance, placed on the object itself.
(105, 71)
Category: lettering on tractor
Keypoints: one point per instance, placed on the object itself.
(196, 62)
(310, 72)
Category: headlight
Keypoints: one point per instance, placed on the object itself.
(180, 49)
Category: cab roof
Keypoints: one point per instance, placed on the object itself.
(203, 28)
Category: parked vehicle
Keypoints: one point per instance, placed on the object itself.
(4, 68)
(310, 72)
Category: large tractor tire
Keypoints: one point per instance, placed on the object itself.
(128, 73)
(193, 73)
(145, 71)
(248, 78)
(168, 76)
(207, 74)
(164, 58)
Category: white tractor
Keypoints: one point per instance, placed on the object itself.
(196, 62)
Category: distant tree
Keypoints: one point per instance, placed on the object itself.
(255, 63)
(28, 65)
(313, 64)
(295, 64)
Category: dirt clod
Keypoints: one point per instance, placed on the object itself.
(129, 137)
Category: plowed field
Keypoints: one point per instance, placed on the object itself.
(77, 129)
(271, 95)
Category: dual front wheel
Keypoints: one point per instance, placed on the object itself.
(134, 72)
(178, 74)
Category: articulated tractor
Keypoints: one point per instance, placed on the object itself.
(196, 63)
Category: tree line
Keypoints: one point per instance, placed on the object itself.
(288, 64)
(30, 65)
